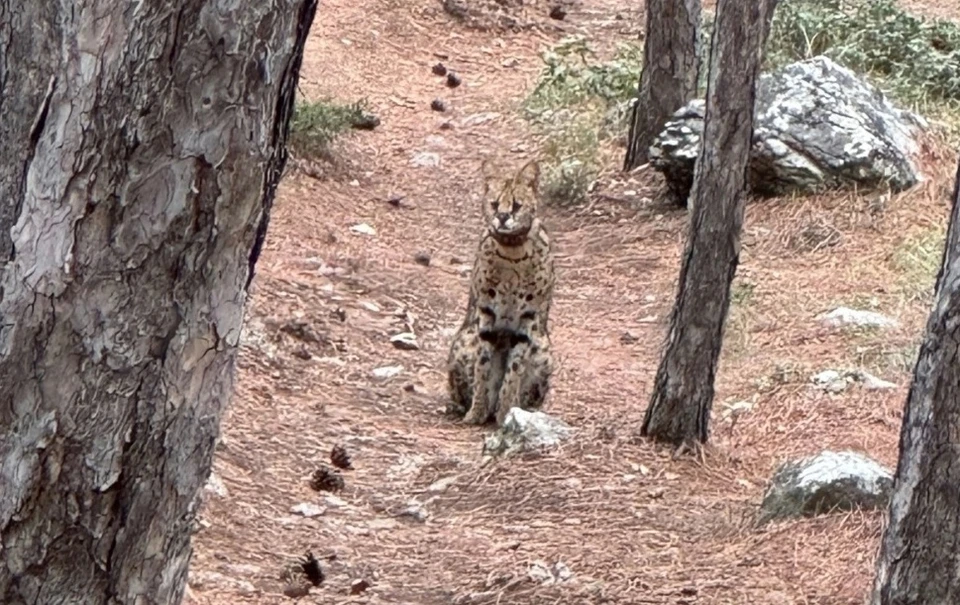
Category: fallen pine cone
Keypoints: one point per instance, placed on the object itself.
(311, 569)
(326, 480)
(340, 458)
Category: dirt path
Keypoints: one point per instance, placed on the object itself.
(631, 525)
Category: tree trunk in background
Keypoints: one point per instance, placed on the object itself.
(140, 148)
(669, 77)
(920, 553)
(679, 410)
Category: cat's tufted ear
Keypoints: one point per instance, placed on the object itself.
(490, 174)
(529, 175)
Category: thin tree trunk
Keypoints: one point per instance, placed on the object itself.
(668, 80)
(920, 553)
(140, 148)
(679, 410)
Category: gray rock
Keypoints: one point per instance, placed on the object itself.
(818, 125)
(525, 431)
(836, 381)
(827, 481)
(845, 316)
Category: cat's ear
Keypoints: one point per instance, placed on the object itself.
(490, 174)
(529, 175)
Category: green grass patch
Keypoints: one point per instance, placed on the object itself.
(915, 60)
(579, 102)
(316, 124)
(917, 258)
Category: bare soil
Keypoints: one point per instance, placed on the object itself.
(631, 524)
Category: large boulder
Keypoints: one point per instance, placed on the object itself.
(818, 126)
(826, 482)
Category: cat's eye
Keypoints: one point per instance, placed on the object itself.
(516, 205)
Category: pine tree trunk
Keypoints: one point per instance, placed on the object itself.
(668, 80)
(920, 553)
(679, 410)
(140, 148)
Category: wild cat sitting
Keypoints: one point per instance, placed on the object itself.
(500, 357)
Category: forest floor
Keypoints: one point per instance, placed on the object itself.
(630, 524)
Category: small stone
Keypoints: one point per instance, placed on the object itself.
(359, 586)
(831, 381)
(216, 487)
(387, 371)
(425, 159)
(453, 80)
(363, 229)
(438, 105)
(439, 69)
(422, 258)
(872, 383)
(414, 510)
(558, 12)
(308, 510)
(394, 200)
(523, 430)
(365, 121)
(406, 341)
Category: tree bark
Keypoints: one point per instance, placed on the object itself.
(920, 553)
(679, 409)
(668, 80)
(140, 148)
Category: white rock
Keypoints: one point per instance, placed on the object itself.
(872, 383)
(405, 340)
(844, 316)
(306, 509)
(524, 430)
(363, 229)
(387, 371)
(425, 159)
(546, 575)
(831, 380)
(215, 486)
(836, 381)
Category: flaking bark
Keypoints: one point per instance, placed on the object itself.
(140, 149)
(668, 80)
(679, 410)
(920, 552)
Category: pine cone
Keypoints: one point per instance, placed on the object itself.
(326, 480)
(311, 569)
(340, 458)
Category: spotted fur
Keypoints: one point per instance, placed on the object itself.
(500, 357)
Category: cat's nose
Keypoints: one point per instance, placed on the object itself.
(503, 217)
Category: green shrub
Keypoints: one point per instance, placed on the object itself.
(917, 60)
(577, 103)
(316, 124)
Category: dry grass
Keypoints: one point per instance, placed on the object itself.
(631, 524)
